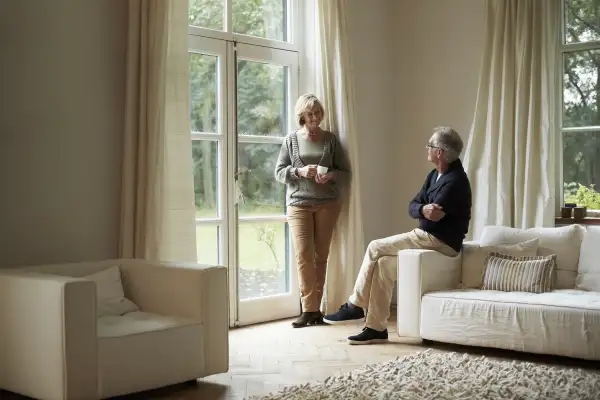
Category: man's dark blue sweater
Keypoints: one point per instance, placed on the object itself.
(453, 193)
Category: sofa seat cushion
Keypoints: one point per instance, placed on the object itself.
(137, 322)
(141, 350)
(561, 322)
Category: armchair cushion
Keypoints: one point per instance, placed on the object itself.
(110, 297)
(141, 350)
(138, 322)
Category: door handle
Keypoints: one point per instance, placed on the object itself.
(241, 172)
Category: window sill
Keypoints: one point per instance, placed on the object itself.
(572, 221)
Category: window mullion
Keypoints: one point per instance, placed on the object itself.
(228, 16)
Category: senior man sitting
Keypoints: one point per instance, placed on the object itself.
(443, 208)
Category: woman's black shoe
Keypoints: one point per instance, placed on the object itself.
(308, 318)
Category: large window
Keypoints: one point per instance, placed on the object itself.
(249, 21)
(244, 67)
(580, 115)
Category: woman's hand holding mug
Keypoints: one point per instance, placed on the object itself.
(322, 175)
(309, 171)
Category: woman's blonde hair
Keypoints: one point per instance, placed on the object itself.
(307, 102)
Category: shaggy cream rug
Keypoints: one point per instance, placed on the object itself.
(451, 376)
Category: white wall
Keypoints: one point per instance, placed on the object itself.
(61, 121)
(438, 45)
(371, 27)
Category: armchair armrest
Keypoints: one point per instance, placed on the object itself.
(189, 290)
(48, 336)
(420, 272)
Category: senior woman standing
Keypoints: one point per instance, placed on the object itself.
(312, 164)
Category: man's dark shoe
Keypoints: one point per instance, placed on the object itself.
(347, 313)
(369, 336)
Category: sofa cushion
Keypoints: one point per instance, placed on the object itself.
(523, 274)
(110, 297)
(561, 322)
(75, 269)
(565, 242)
(588, 277)
(137, 322)
(474, 256)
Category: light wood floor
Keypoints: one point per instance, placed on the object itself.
(267, 357)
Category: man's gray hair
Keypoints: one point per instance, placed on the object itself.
(448, 140)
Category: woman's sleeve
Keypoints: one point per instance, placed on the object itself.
(284, 172)
(340, 161)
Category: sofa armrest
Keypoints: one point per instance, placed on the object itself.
(48, 339)
(188, 290)
(420, 272)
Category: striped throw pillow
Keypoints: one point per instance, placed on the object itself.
(519, 274)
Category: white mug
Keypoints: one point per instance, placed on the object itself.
(321, 170)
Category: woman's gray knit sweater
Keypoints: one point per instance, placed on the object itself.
(304, 191)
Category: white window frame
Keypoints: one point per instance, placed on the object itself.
(294, 20)
(564, 48)
(246, 312)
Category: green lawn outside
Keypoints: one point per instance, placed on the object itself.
(262, 245)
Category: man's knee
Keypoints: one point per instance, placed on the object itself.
(374, 247)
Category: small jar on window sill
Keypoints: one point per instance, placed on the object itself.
(579, 213)
(566, 212)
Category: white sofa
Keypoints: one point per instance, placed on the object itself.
(100, 329)
(439, 298)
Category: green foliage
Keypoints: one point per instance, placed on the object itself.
(262, 18)
(262, 105)
(581, 98)
(582, 195)
(267, 233)
(206, 13)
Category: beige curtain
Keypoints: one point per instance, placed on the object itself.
(332, 72)
(510, 154)
(157, 200)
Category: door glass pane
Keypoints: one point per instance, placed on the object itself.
(581, 87)
(207, 244)
(581, 168)
(261, 18)
(206, 13)
(204, 156)
(262, 194)
(263, 259)
(262, 99)
(582, 21)
(203, 92)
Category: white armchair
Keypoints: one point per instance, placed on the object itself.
(420, 272)
(61, 339)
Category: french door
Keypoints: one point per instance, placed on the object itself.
(242, 99)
